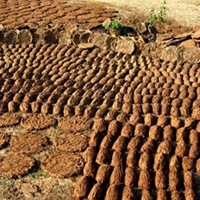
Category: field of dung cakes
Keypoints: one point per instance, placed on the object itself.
(88, 115)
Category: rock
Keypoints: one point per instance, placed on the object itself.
(188, 43)
(123, 46)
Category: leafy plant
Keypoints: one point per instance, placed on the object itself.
(116, 25)
(153, 18)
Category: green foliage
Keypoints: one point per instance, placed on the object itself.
(79, 26)
(38, 174)
(153, 18)
(115, 24)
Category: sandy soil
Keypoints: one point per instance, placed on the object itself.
(185, 12)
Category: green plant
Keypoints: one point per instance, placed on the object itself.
(54, 131)
(153, 18)
(79, 26)
(38, 174)
(5, 185)
(100, 107)
(116, 25)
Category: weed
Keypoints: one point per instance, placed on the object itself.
(100, 107)
(6, 181)
(52, 131)
(88, 132)
(116, 25)
(5, 185)
(183, 117)
(151, 37)
(153, 18)
(79, 26)
(38, 174)
(153, 192)
(37, 157)
(137, 190)
(44, 174)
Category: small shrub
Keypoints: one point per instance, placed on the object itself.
(116, 25)
(153, 18)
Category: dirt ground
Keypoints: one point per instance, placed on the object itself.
(87, 113)
(185, 12)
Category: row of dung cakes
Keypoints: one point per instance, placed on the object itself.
(125, 162)
(82, 79)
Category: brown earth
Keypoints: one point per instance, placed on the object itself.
(88, 114)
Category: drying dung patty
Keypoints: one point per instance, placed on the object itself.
(75, 123)
(63, 165)
(4, 139)
(9, 119)
(71, 142)
(28, 143)
(37, 122)
(15, 165)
